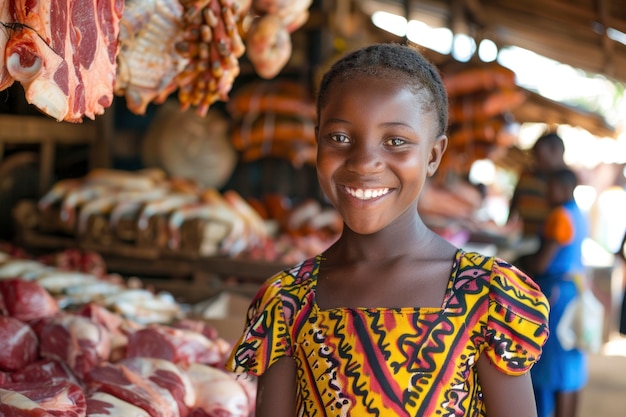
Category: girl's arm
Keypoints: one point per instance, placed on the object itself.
(276, 390)
(505, 395)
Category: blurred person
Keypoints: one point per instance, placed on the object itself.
(560, 374)
(529, 202)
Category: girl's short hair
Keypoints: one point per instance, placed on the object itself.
(395, 62)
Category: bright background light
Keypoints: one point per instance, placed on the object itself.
(437, 39)
(390, 22)
(487, 50)
(463, 47)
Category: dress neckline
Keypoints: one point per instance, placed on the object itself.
(401, 310)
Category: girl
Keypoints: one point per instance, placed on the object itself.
(391, 320)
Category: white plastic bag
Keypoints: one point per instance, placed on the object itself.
(581, 325)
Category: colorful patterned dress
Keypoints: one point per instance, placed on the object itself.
(396, 361)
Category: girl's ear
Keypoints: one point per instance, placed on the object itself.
(436, 153)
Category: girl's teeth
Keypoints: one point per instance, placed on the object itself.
(367, 194)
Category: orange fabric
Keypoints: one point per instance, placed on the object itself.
(559, 226)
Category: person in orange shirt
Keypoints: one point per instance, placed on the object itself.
(560, 373)
(529, 201)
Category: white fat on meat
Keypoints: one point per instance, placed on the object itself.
(14, 404)
(219, 394)
(166, 375)
(61, 398)
(122, 382)
(21, 267)
(75, 340)
(101, 404)
(56, 281)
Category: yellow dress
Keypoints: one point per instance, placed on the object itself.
(396, 361)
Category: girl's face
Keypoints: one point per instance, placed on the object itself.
(376, 146)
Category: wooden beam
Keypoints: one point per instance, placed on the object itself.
(607, 43)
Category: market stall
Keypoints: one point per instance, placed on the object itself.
(116, 274)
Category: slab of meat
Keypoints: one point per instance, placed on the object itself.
(175, 345)
(5, 17)
(101, 404)
(220, 394)
(18, 344)
(44, 371)
(147, 60)
(61, 399)
(63, 53)
(14, 404)
(168, 376)
(115, 324)
(27, 300)
(121, 382)
(76, 341)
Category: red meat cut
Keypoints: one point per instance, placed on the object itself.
(63, 52)
(27, 300)
(61, 399)
(76, 341)
(180, 346)
(121, 382)
(166, 375)
(18, 344)
(44, 371)
(101, 404)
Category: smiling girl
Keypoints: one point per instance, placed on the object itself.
(391, 320)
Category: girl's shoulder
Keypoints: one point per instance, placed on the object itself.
(298, 279)
(513, 291)
(506, 281)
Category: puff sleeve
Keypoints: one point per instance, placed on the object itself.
(517, 323)
(266, 336)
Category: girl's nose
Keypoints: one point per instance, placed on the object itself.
(365, 159)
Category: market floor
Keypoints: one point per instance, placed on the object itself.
(605, 394)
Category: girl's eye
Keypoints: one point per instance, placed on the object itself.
(395, 142)
(340, 138)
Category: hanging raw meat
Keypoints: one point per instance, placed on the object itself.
(5, 19)
(147, 60)
(268, 39)
(64, 56)
(213, 45)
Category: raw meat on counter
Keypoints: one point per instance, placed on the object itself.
(26, 300)
(21, 344)
(64, 54)
(62, 398)
(91, 360)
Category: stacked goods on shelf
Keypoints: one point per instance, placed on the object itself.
(481, 97)
(91, 357)
(145, 215)
(304, 229)
(109, 208)
(274, 119)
